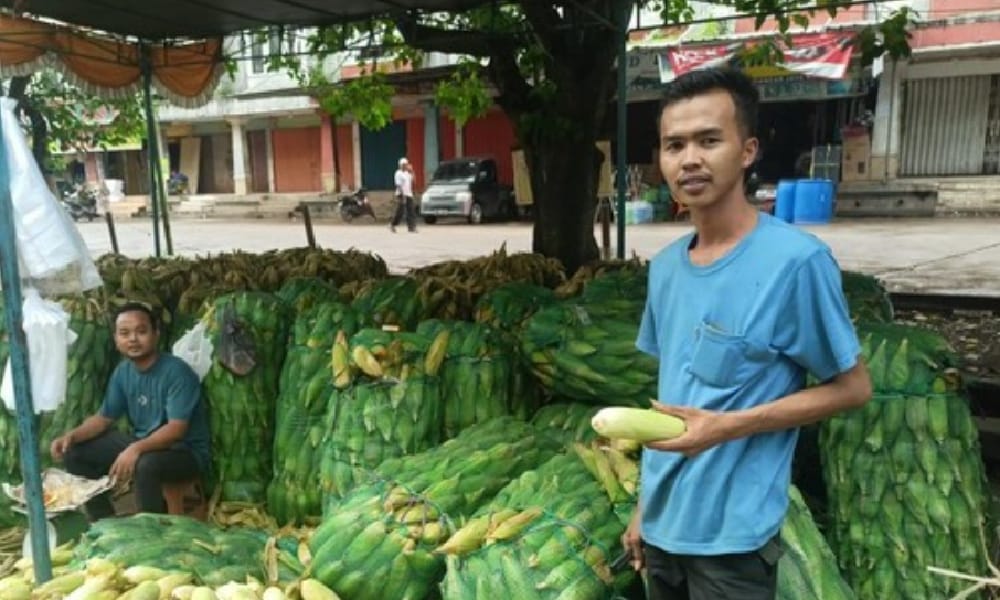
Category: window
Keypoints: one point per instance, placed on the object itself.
(262, 49)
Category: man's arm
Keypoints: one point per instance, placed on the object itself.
(92, 427)
(161, 439)
(705, 429)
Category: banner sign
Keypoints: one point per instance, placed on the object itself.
(819, 55)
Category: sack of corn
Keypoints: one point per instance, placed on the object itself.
(867, 299)
(249, 331)
(506, 307)
(601, 277)
(551, 533)
(587, 352)
(487, 272)
(569, 421)
(393, 301)
(386, 403)
(478, 377)
(807, 569)
(306, 386)
(303, 293)
(907, 490)
(908, 360)
(379, 542)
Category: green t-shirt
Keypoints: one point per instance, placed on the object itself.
(169, 389)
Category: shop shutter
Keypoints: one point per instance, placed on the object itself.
(944, 125)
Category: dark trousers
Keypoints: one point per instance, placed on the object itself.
(747, 576)
(93, 459)
(404, 204)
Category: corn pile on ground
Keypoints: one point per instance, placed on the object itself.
(378, 542)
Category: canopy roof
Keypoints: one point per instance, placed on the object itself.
(166, 19)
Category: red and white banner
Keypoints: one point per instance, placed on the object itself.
(821, 55)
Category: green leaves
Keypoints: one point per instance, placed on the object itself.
(464, 94)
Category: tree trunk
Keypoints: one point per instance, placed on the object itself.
(564, 186)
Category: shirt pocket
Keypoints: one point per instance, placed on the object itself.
(726, 360)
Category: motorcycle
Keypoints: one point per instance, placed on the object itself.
(355, 205)
(81, 203)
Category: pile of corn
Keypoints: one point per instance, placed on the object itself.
(379, 541)
(551, 533)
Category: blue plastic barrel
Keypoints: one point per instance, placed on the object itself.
(784, 201)
(813, 201)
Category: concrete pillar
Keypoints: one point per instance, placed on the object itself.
(459, 140)
(356, 146)
(327, 173)
(269, 144)
(888, 122)
(431, 145)
(239, 157)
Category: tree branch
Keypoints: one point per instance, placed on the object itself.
(434, 39)
(514, 91)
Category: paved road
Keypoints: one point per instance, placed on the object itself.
(941, 255)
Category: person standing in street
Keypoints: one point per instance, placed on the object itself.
(404, 197)
(160, 395)
(737, 313)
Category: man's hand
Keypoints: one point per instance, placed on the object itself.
(61, 445)
(124, 466)
(704, 429)
(632, 541)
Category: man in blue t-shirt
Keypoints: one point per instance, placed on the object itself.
(161, 397)
(737, 313)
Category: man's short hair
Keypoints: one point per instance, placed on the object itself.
(703, 81)
(134, 306)
(403, 161)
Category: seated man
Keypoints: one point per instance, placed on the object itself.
(161, 396)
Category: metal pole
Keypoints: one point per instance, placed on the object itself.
(164, 199)
(310, 236)
(30, 469)
(622, 138)
(151, 144)
(111, 231)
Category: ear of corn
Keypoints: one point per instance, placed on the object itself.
(638, 424)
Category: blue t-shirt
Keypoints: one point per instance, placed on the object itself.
(737, 333)
(168, 390)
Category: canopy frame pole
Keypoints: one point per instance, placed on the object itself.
(622, 130)
(152, 144)
(10, 279)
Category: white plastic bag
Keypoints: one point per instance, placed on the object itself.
(195, 348)
(46, 327)
(53, 256)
